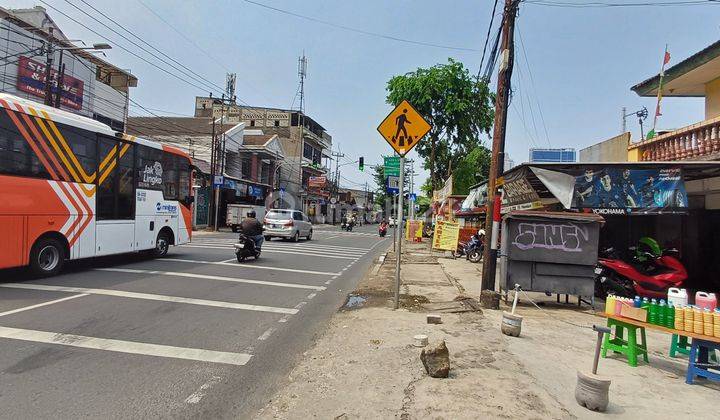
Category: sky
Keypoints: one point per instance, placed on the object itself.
(573, 72)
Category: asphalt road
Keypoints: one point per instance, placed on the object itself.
(194, 334)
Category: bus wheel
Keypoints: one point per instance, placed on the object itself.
(162, 245)
(47, 257)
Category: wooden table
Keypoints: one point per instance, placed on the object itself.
(701, 345)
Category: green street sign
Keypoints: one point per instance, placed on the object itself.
(392, 166)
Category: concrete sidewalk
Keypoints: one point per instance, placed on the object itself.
(365, 366)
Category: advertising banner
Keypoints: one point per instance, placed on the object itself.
(518, 194)
(446, 235)
(622, 190)
(317, 181)
(31, 79)
(413, 229)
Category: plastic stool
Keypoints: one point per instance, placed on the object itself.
(630, 347)
(699, 355)
(681, 344)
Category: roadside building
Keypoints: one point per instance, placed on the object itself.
(306, 144)
(540, 155)
(611, 150)
(250, 164)
(359, 202)
(697, 76)
(90, 86)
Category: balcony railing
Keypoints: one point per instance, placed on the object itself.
(699, 141)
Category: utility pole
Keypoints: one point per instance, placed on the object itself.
(336, 187)
(49, 57)
(398, 236)
(60, 77)
(498, 147)
(411, 210)
(623, 113)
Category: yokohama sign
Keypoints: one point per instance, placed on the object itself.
(31, 79)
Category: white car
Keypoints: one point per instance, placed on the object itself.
(287, 224)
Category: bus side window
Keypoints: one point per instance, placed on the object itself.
(149, 168)
(183, 179)
(107, 173)
(83, 144)
(126, 182)
(170, 176)
(14, 150)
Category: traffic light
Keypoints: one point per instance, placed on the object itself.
(361, 163)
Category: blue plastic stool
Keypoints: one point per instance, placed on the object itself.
(699, 355)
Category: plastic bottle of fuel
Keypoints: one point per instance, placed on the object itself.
(670, 316)
(637, 302)
(661, 312)
(653, 312)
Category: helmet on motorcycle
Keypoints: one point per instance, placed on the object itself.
(647, 246)
(481, 232)
(251, 213)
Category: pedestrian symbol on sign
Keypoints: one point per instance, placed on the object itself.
(403, 128)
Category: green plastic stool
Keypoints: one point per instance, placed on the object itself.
(681, 344)
(630, 347)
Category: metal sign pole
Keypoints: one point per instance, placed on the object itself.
(399, 230)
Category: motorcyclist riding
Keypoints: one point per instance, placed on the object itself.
(252, 228)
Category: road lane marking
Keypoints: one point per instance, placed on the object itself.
(299, 248)
(149, 296)
(198, 395)
(229, 260)
(275, 251)
(120, 346)
(39, 305)
(312, 295)
(266, 334)
(330, 281)
(208, 277)
(259, 267)
(315, 245)
(300, 305)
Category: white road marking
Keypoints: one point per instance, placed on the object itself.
(273, 251)
(229, 260)
(208, 277)
(329, 281)
(312, 295)
(198, 395)
(259, 267)
(39, 305)
(148, 296)
(300, 305)
(304, 245)
(266, 334)
(281, 247)
(283, 319)
(121, 346)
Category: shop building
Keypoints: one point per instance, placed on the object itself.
(250, 159)
(90, 86)
(306, 144)
(697, 76)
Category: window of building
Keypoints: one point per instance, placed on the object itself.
(308, 151)
(252, 123)
(246, 163)
(277, 123)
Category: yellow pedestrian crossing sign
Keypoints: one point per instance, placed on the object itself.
(403, 128)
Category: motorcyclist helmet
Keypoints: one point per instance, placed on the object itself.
(647, 246)
(251, 214)
(481, 232)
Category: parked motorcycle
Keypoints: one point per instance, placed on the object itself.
(648, 273)
(245, 247)
(472, 250)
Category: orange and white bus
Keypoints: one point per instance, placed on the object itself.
(71, 187)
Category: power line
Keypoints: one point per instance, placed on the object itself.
(360, 31)
(186, 71)
(596, 4)
(203, 89)
(532, 82)
(487, 37)
(186, 38)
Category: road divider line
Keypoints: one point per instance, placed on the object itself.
(198, 395)
(266, 334)
(39, 305)
(259, 267)
(148, 296)
(312, 295)
(271, 245)
(120, 346)
(277, 251)
(209, 277)
(302, 245)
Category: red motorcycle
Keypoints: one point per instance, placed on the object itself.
(651, 277)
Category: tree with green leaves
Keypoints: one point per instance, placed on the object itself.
(472, 169)
(456, 104)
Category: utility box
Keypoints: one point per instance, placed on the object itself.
(551, 252)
